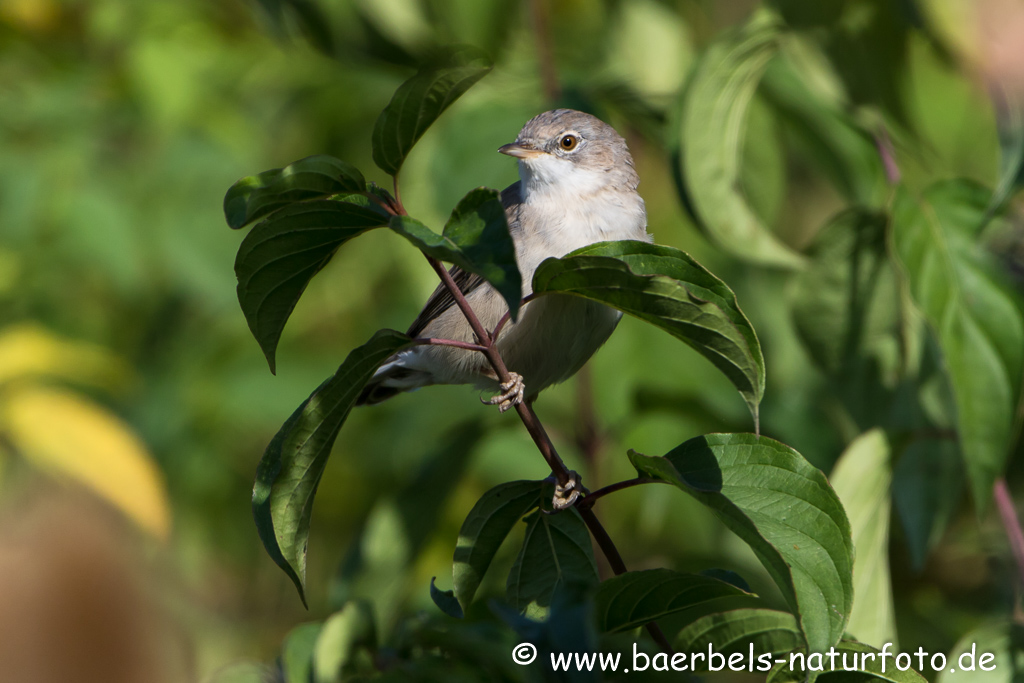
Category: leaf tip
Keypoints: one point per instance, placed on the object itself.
(446, 600)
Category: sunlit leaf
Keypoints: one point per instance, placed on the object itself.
(279, 257)
(862, 477)
(483, 532)
(667, 288)
(315, 177)
(476, 239)
(291, 467)
(783, 508)
(71, 437)
(28, 351)
(998, 646)
(556, 552)
(767, 631)
(711, 132)
(352, 627)
(636, 598)
(420, 100)
(978, 325)
(851, 658)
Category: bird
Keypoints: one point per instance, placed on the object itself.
(577, 186)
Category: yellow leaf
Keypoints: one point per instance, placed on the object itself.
(28, 351)
(70, 437)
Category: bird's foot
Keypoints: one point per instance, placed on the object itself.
(512, 394)
(565, 496)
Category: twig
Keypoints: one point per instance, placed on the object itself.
(1011, 523)
(594, 496)
(545, 55)
(885, 152)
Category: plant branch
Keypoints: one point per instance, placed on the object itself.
(545, 55)
(604, 541)
(612, 488)
(1008, 513)
(505, 318)
(434, 341)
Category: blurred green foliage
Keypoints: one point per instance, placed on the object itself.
(122, 124)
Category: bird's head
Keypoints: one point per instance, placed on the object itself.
(564, 150)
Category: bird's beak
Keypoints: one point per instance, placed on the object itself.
(520, 150)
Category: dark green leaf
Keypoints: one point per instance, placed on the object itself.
(841, 148)
(783, 508)
(768, 631)
(978, 325)
(342, 634)
(556, 551)
(476, 239)
(859, 659)
(710, 134)
(446, 601)
(670, 290)
(297, 653)
(314, 177)
(928, 483)
(279, 257)
(420, 100)
(636, 598)
(484, 530)
(290, 470)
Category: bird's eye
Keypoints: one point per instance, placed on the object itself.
(568, 142)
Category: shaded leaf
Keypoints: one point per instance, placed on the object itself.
(1010, 125)
(279, 257)
(556, 552)
(783, 508)
(314, 177)
(667, 288)
(420, 100)
(635, 598)
(862, 478)
(859, 658)
(476, 239)
(483, 532)
(710, 143)
(928, 483)
(352, 627)
(979, 327)
(291, 467)
(767, 631)
(1003, 640)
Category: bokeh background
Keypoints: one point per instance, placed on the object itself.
(134, 403)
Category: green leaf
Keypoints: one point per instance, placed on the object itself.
(1003, 640)
(928, 484)
(291, 467)
(420, 100)
(783, 508)
(1010, 120)
(483, 532)
(843, 302)
(710, 130)
(637, 598)
(833, 140)
(862, 478)
(297, 653)
(556, 551)
(860, 658)
(348, 629)
(978, 325)
(768, 631)
(315, 177)
(667, 288)
(279, 257)
(476, 239)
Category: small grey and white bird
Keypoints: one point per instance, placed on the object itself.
(578, 186)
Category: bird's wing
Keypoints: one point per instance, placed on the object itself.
(441, 300)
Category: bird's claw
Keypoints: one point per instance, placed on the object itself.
(512, 394)
(565, 496)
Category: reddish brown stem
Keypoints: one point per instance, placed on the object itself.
(1011, 523)
(612, 488)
